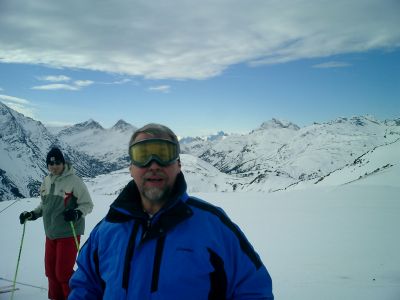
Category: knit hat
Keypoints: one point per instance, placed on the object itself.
(55, 154)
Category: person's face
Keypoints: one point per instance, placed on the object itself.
(55, 168)
(154, 182)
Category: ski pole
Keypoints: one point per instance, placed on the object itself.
(19, 258)
(74, 233)
(66, 199)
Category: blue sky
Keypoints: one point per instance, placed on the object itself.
(200, 66)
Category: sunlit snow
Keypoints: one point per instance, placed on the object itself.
(337, 241)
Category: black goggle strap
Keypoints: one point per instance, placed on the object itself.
(56, 162)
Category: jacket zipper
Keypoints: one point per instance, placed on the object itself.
(157, 256)
(146, 229)
(157, 263)
(130, 252)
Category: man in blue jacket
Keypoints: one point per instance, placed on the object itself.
(156, 242)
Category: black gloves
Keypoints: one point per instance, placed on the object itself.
(27, 216)
(69, 215)
(72, 215)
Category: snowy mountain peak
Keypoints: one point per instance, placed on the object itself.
(356, 120)
(89, 124)
(275, 155)
(211, 138)
(219, 135)
(10, 113)
(3, 107)
(24, 144)
(121, 125)
(81, 127)
(278, 124)
(189, 139)
(394, 122)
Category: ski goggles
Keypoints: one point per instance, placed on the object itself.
(54, 162)
(163, 151)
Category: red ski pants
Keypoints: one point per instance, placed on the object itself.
(59, 261)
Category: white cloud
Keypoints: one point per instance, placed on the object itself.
(82, 83)
(57, 124)
(122, 81)
(195, 39)
(20, 105)
(75, 86)
(57, 78)
(11, 99)
(160, 88)
(116, 82)
(332, 64)
(56, 86)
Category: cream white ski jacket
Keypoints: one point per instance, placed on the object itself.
(58, 193)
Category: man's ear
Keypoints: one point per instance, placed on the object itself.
(131, 170)
(179, 163)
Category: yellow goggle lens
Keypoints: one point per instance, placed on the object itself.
(163, 151)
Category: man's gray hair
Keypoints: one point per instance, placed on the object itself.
(157, 130)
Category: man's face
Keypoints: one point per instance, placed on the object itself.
(56, 168)
(154, 182)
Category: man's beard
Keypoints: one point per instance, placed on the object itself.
(156, 195)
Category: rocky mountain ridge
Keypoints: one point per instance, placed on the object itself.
(281, 151)
(271, 157)
(24, 144)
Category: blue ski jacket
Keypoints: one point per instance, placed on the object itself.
(189, 250)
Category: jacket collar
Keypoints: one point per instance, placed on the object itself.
(68, 170)
(128, 204)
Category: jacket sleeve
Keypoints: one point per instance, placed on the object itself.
(253, 284)
(38, 210)
(84, 202)
(86, 283)
(247, 276)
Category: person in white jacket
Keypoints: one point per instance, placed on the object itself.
(65, 201)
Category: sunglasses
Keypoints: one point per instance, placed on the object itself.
(57, 163)
(163, 151)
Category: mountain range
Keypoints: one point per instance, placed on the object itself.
(275, 156)
(279, 154)
(24, 144)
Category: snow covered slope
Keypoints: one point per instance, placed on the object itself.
(319, 242)
(201, 176)
(274, 156)
(370, 168)
(280, 153)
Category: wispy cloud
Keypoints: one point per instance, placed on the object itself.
(82, 83)
(58, 124)
(160, 88)
(56, 78)
(194, 40)
(332, 64)
(20, 105)
(56, 86)
(12, 99)
(73, 86)
(122, 81)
